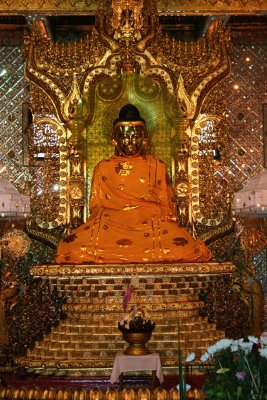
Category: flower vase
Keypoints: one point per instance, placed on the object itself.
(136, 343)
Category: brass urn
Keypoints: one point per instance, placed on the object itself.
(136, 343)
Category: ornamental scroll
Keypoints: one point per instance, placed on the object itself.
(78, 88)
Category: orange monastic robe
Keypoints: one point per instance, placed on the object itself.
(131, 218)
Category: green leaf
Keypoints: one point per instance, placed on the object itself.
(222, 370)
(239, 392)
(221, 395)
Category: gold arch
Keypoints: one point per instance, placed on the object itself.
(185, 72)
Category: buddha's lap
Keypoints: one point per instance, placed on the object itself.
(113, 236)
(110, 233)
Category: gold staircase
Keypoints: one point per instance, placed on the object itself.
(88, 338)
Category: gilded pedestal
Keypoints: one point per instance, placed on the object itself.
(88, 338)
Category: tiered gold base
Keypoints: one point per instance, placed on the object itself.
(89, 337)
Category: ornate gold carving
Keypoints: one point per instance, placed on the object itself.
(127, 18)
(111, 269)
(70, 105)
(195, 172)
(182, 189)
(164, 6)
(76, 187)
(71, 81)
(76, 191)
(216, 6)
(152, 304)
(46, 143)
(188, 105)
(133, 28)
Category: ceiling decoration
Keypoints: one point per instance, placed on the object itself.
(164, 6)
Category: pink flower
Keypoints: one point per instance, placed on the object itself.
(240, 375)
(127, 296)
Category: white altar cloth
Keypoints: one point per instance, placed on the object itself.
(125, 363)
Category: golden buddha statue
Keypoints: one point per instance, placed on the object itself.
(132, 208)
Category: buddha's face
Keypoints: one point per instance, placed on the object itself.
(130, 139)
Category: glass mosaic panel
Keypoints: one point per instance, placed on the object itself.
(248, 92)
(13, 96)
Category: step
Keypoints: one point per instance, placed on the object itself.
(88, 337)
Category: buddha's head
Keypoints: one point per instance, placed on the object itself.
(129, 132)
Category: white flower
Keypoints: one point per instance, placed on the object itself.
(223, 344)
(253, 339)
(263, 352)
(205, 357)
(212, 349)
(263, 340)
(246, 346)
(187, 387)
(190, 357)
(234, 346)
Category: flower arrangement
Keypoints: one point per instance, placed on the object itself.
(135, 321)
(236, 369)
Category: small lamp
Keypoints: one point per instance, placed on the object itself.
(251, 201)
(13, 205)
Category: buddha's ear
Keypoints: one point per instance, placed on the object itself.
(116, 149)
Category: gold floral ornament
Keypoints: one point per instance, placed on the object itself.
(76, 191)
(124, 169)
(182, 189)
(16, 243)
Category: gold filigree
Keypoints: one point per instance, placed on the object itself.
(127, 18)
(182, 189)
(48, 141)
(76, 191)
(187, 104)
(201, 122)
